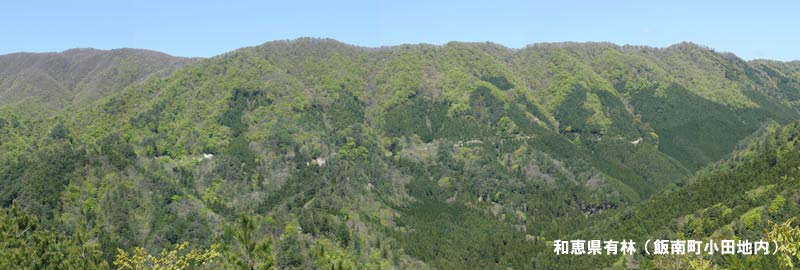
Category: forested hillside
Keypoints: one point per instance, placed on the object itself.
(48, 82)
(741, 197)
(314, 154)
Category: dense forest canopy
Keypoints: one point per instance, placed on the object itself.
(314, 154)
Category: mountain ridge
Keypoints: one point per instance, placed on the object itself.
(82, 75)
(463, 155)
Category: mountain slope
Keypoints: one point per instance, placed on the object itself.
(737, 198)
(53, 81)
(416, 156)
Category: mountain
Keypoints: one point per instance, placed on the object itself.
(328, 155)
(739, 197)
(54, 81)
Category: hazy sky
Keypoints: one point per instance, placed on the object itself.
(753, 29)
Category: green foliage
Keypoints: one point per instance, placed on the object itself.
(752, 218)
(699, 209)
(240, 102)
(693, 130)
(59, 132)
(498, 81)
(353, 152)
(250, 253)
(444, 237)
(466, 155)
(429, 120)
(788, 238)
(27, 245)
(682, 262)
(777, 204)
(118, 152)
(44, 177)
(346, 111)
(290, 254)
(177, 258)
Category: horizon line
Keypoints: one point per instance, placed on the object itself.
(388, 46)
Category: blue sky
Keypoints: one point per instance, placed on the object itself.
(754, 29)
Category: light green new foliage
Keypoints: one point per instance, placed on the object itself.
(787, 237)
(701, 70)
(459, 156)
(400, 76)
(752, 218)
(777, 204)
(599, 118)
(178, 258)
(568, 71)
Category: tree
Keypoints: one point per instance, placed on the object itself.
(25, 245)
(252, 254)
(174, 259)
(289, 250)
(788, 238)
